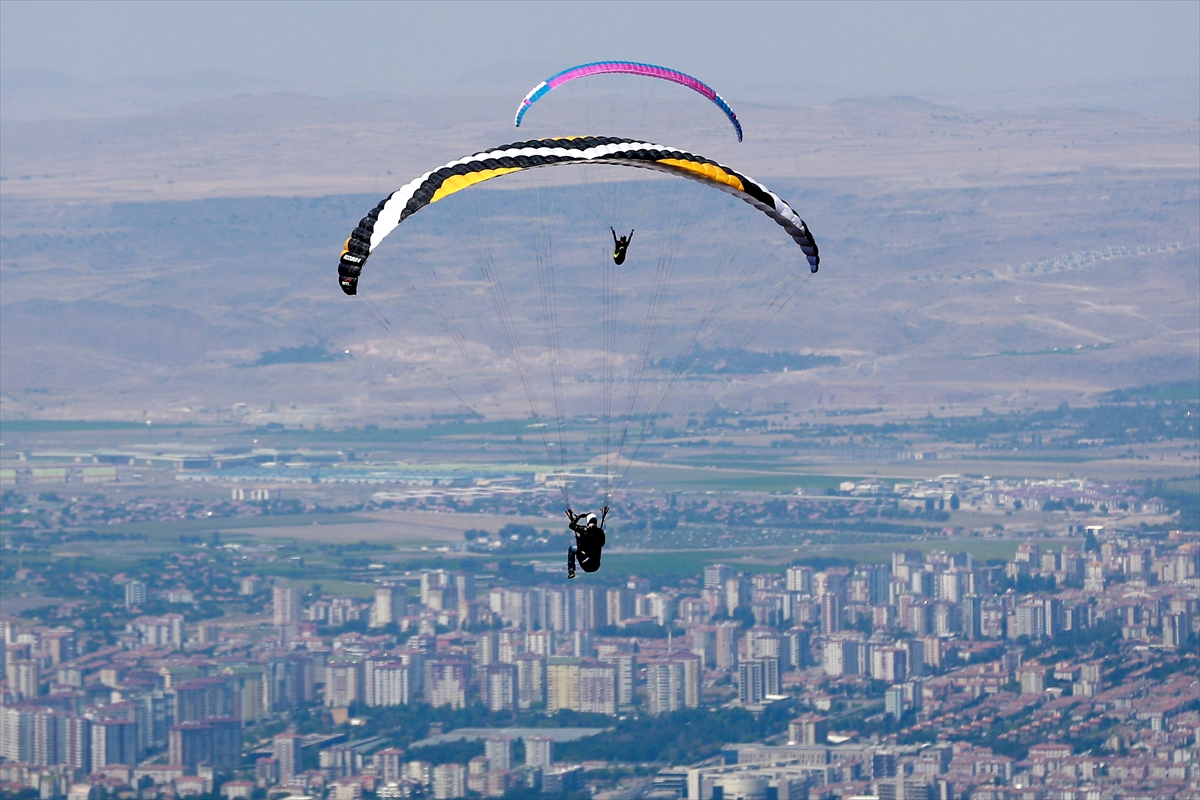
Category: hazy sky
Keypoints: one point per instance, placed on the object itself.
(868, 47)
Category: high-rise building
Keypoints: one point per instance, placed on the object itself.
(447, 682)
(626, 665)
(879, 578)
(808, 729)
(840, 656)
(387, 682)
(562, 684)
(391, 605)
(889, 664)
(286, 605)
(498, 750)
(531, 679)
(858, 590)
(78, 745)
(831, 613)
(799, 579)
(135, 594)
(704, 644)
(774, 677)
(830, 581)
(661, 607)
(389, 765)
(49, 734)
(510, 646)
(217, 742)
(287, 748)
(971, 614)
(464, 585)
(597, 688)
(663, 686)
(914, 657)
(449, 781)
(591, 608)
(693, 611)
(500, 687)
(114, 741)
(619, 605)
(893, 702)
(581, 644)
(540, 642)
(200, 699)
(727, 633)
(539, 751)
(340, 761)
(1032, 679)
(23, 678)
(189, 745)
(343, 683)
(673, 683)
(580, 685)
(762, 641)
(922, 583)
(737, 593)
(946, 587)
(797, 644)
(751, 682)
(164, 631)
(559, 614)
(487, 648)
(946, 620)
(431, 581)
(1176, 630)
(288, 682)
(715, 576)
(16, 733)
(1028, 620)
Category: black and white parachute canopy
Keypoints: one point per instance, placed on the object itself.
(465, 172)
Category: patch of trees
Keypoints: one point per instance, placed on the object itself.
(681, 737)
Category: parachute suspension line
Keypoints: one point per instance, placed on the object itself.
(611, 277)
(504, 314)
(778, 303)
(544, 256)
(722, 291)
(394, 272)
(436, 306)
(479, 233)
(687, 204)
(658, 296)
(377, 315)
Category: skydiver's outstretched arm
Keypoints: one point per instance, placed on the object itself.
(614, 233)
(603, 515)
(630, 239)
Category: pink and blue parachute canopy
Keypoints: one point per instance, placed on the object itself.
(628, 68)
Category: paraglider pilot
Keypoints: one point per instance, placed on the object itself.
(589, 541)
(620, 246)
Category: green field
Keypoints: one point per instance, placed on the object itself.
(733, 480)
(10, 426)
(176, 528)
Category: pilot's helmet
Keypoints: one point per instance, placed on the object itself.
(591, 519)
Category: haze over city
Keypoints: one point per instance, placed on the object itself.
(891, 442)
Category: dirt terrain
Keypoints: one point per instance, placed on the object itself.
(1006, 260)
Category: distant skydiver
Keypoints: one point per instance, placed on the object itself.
(620, 246)
(589, 541)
